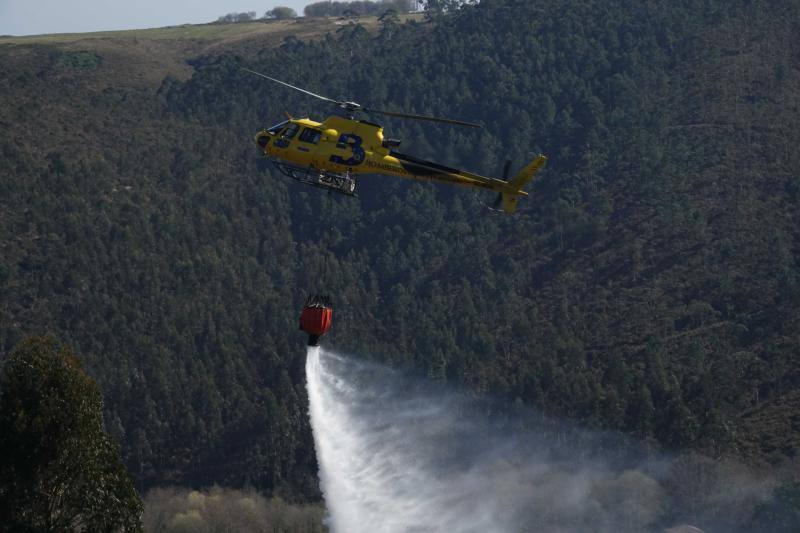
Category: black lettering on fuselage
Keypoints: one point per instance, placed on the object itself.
(384, 166)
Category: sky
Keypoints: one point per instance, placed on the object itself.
(32, 17)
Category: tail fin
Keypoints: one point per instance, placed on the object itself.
(526, 174)
(507, 200)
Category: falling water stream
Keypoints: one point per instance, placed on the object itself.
(398, 454)
(384, 455)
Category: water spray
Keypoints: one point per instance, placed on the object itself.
(399, 454)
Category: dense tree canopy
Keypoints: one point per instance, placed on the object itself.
(649, 284)
(281, 13)
(59, 469)
(245, 16)
(357, 7)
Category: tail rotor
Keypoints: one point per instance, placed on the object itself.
(497, 205)
(507, 198)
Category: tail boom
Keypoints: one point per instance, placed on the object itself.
(509, 191)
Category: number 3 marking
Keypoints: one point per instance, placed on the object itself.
(354, 141)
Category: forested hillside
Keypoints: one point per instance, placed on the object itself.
(649, 284)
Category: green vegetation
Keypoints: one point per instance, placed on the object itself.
(782, 512)
(59, 469)
(197, 32)
(227, 511)
(281, 13)
(650, 284)
(246, 16)
(83, 60)
(356, 8)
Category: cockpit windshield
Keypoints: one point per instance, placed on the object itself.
(277, 127)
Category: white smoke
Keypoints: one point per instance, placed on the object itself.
(398, 455)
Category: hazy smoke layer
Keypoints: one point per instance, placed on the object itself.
(223, 510)
(396, 454)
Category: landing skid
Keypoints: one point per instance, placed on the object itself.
(341, 183)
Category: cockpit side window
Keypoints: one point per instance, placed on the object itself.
(290, 131)
(277, 127)
(310, 135)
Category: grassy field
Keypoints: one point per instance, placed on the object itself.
(195, 32)
(212, 32)
(143, 57)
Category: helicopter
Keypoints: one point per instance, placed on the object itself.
(330, 154)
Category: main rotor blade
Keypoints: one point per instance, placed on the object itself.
(292, 86)
(352, 106)
(506, 170)
(423, 117)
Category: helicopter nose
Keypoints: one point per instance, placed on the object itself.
(262, 140)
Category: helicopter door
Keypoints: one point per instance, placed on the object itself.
(284, 140)
(306, 145)
(310, 135)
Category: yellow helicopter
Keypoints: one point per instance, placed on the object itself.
(331, 153)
